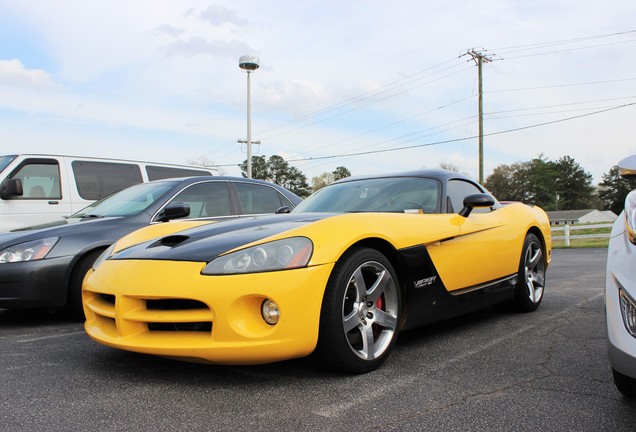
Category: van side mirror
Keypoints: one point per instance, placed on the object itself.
(474, 201)
(11, 188)
(174, 210)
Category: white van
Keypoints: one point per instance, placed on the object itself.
(39, 188)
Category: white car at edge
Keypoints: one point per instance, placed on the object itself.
(620, 291)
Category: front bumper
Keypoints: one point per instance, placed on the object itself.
(168, 308)
(620, 274)
(33, 284)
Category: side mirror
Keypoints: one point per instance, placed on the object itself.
(11, 188)
(174, 210)
(474, 201)
(283, 209)
(627, 166)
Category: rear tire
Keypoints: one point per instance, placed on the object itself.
(360, 313)
(531, 275)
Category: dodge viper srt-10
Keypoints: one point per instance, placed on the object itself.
(620, 290)
(339, 276)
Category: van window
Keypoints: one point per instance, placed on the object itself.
(207, 199)
(96, 180)
(259, 199)
(40, 179)
(158, 173)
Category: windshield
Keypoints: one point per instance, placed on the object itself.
(127, 202)
(5, 161)
(399, 194)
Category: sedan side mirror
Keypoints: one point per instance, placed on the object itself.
(283, 209)
(476, 201)
(174, 210)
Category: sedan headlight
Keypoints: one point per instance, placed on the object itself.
(28, 251)
(282, 254)
(630, 216)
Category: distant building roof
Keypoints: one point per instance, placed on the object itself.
(581, 216)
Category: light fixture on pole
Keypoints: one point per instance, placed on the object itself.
(249, 64)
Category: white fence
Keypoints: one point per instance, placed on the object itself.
(567, 228)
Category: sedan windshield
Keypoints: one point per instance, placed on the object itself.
(399, 194)
(127, 202)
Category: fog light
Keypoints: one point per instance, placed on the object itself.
(628, 310)
(270, 312)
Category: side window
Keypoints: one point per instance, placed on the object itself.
(457, 191)
(40, 179)
(97, 179)
(259, 199)
(206, 199)
(159, 172)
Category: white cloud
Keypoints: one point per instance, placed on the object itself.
(13, 73)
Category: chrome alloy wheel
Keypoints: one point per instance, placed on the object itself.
(534, 271)
(369, 310)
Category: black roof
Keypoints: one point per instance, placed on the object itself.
(439, 174)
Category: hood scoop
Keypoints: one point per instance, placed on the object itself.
(169, 241)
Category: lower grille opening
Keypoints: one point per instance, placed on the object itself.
(108, 298)
(175, 304)
(181, 327)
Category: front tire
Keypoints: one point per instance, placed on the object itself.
(360, 312)
(531, 275)
(75, 285)
(626, 385)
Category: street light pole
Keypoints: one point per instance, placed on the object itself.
(249, 64)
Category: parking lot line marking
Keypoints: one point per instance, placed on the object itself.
(51, 337)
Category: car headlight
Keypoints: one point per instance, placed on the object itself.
(282, 254)
(630, 216)
(28, 251)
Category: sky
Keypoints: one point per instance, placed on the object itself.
(374, 86)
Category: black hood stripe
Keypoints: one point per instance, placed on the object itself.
(206, 242)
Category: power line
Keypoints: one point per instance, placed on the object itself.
(344, 155)
(467, 138)
(390, 90)
(415, 77)
(563, 85)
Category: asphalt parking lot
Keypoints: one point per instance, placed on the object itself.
(491, 370)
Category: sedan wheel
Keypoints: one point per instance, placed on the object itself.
(360, 314)
(531, 275)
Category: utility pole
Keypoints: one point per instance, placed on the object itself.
(480, 58)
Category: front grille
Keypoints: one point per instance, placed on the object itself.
(127, 315)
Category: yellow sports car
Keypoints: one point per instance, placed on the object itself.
(339, 276)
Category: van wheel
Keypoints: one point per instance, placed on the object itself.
(77, 277)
